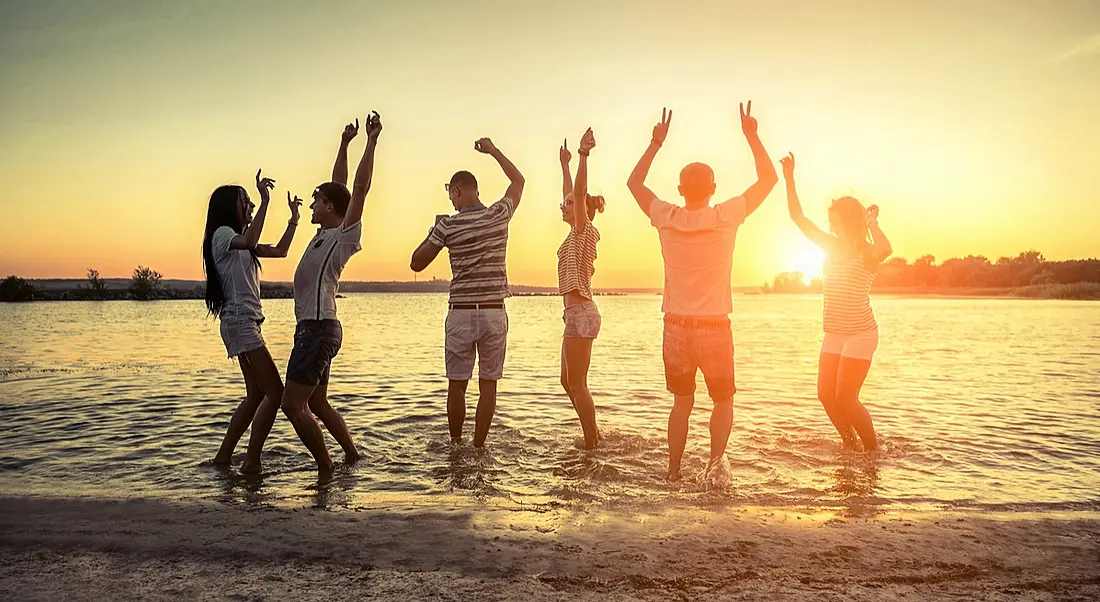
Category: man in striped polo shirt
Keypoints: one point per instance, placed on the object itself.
(477, 324)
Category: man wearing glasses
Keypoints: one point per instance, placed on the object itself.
(477, 323)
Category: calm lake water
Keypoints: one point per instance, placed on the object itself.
(988, 404)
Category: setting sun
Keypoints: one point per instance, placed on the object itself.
(809, 261)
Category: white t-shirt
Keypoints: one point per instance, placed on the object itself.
(697, 246)
(238, 274)
(318, 273)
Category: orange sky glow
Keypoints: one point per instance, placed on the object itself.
(975, 125)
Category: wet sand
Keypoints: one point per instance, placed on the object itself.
(150, 550)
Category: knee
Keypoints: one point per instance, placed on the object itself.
(577, 386)
(565, 386)
(825, 396)
(292, 407)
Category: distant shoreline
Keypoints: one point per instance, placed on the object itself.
(117, 289)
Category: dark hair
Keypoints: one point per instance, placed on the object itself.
(222, 211)
(337, 194)
(464, 179)
(594, 203)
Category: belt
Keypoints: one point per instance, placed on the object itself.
(496, 305)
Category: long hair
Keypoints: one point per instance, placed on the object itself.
(847, 219)
(222, 211)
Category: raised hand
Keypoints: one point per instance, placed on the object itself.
(484, 145)
(563, 153)
(264, 186)
(788, 166)
(588, 142)
(871, 215)
(294, 203)
(660, 131)
(351, 130)
(748, 122)
(374, 125)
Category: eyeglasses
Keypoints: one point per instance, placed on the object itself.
(447, 187)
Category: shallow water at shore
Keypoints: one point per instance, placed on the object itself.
(988, 404)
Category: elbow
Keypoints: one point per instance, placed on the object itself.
(416, 266)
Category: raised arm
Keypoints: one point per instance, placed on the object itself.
(566, 177)
(364, 173)
(281, 249)
(816, 235)
(515, 187)
(340, 169)
(428, 250)
(251, 235)
(880, 248)
(765, 171)
(580, 190)
(636, 182)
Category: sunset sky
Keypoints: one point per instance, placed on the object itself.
(975, 125)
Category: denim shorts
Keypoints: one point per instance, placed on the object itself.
(691, 344)
(582, 321)
(316, 342)
(240, 334)
(480, 334)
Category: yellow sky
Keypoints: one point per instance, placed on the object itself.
(974, 125)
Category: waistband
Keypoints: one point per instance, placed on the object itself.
(494, 305)
(326, 323)
(697, 320)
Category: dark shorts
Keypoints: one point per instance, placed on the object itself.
(692, 344)
(316, 342)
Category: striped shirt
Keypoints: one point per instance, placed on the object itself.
(477, 240)
(577, 261)
(318, 273)
(847, 297)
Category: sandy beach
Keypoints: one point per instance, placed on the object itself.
(151, 550)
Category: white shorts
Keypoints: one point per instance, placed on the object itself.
(240, 334)
(858, 346)
(480, 334)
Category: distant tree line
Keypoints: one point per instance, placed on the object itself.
(973, 271)
(145, 285)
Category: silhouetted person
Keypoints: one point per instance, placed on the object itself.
(576, 265)
(230, 257)
(853, 253)
(477, 323)
(697, 243)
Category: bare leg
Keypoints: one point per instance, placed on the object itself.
(295, 399)
(565, 376)
(266, 374)
(486, 407)
(721, 423)
(678, 431)
(578, 357)
(849, 381)
(827, 367)
(334, 422)
(242, 416)
(456, 407)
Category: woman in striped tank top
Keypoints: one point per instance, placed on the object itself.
(576, 264)
(853, 252)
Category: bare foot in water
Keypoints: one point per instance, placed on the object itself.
(324, 473)
(249, 468)
(351, 459)
(673, 475)
(218, 462)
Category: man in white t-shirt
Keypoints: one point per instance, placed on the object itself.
(697, 243)
(318, 335)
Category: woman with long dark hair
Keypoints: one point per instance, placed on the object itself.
(576, 265)
(230, 257)
(854, 249)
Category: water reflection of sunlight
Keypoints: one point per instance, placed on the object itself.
(857, 479)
